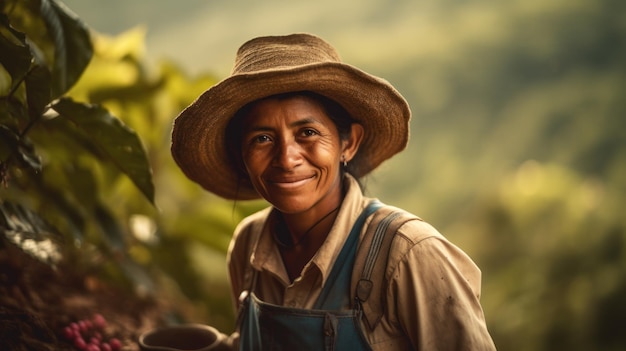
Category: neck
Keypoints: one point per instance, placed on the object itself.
(288, 238)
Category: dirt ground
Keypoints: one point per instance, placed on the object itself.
(37, 303)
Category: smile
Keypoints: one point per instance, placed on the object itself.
(290, 183)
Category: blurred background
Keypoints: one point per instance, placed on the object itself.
(517, 151)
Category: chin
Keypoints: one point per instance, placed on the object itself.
(291, 205)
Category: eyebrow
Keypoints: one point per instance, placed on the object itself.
(304, 121)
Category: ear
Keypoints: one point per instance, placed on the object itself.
(351, 145)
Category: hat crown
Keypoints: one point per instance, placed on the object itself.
(276, 52)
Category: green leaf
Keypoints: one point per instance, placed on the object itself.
(19, 148)
(109, 226)
(15, 55)
(8, 143)
(37, 90)
(72, 45)
(118, 143)
(78, 180)
(58, 206)
(29, 232)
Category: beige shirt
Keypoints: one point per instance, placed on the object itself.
(431, 299)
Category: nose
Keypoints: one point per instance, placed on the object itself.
(288, 154)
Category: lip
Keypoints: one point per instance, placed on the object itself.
(290, 182)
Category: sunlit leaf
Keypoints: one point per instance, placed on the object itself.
(112, 138)
(64, 142)
(27, 230)
(128, 45)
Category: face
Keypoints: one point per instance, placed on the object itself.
(292, 153)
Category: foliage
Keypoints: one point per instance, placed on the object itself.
(551, 245)
(58, 156)
(90, 186)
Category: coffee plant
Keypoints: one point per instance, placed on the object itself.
(57, 155)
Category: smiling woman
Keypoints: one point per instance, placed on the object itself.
(291, 147)
(297, 127)
(293, 152)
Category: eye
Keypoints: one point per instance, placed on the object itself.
(263, 138)
(307, 132)
(259, 139)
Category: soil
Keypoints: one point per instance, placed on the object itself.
(37, 302)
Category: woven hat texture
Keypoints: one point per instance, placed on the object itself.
(271, 65)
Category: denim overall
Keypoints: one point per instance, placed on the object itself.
(266, 326)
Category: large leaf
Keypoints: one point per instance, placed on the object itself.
(72, 45)
(15, 55)
(118, 143)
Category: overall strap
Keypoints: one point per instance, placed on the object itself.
(368, 276)
(336, 291)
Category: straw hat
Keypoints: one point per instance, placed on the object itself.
(272, 65)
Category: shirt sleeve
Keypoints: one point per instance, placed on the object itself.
(238, 259)
(434, 289)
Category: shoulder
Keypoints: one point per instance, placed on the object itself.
(419, 245)
(409, 229)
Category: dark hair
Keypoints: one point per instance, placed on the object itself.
(234, 131)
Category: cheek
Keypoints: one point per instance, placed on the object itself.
(326, 153)
(248, 160)
(254, 162)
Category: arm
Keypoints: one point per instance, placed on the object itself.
(238, 261)
(240, 251)
(434, 287)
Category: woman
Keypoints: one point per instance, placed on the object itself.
(323, 267)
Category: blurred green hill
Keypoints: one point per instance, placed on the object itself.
(518, 147)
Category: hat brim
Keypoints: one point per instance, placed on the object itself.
(198, 136)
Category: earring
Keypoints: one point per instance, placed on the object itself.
(343, 160)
